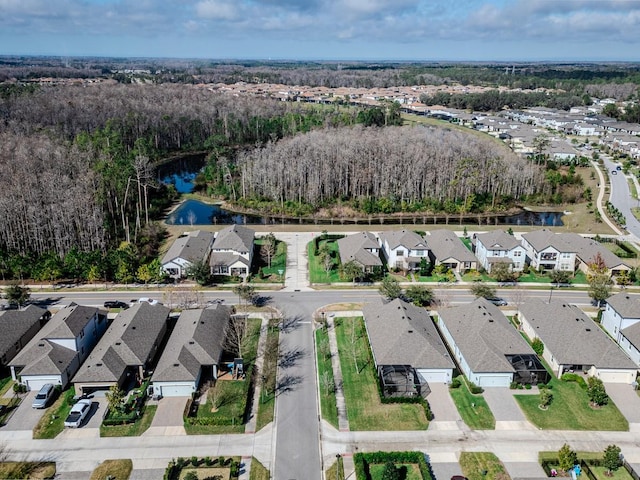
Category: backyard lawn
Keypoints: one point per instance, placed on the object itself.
(364, 408)
(570, 410)
(472, 408)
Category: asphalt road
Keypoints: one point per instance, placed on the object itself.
(621, 197)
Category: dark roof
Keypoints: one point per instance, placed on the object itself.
(445, 244)
(128, 342)
(403, 334)
(354, 247)
(15, 323)
(69, 321)
(197, 340)
(484, 336)
(571, 336)
(44, 357)
(627, 305)
(193, 246)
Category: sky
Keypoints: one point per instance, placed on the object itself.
(421, 30)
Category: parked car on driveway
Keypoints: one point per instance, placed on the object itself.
(44, 396)
(78, 413)
(115, 304)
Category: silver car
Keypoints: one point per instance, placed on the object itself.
(44, 396)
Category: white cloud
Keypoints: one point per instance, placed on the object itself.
(217, 10)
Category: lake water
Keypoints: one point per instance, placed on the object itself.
(181, 172)
(194, 212)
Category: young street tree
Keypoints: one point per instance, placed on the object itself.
(200, 272)
(268, 248)
(115, 396)
(235, 335)
(599, 279)
(596, 391)
(351, 271)
(390, 288)
(420, 295)
(17, 295)
(567, 458)
(245, 292)
(482, 290)
(611, 460)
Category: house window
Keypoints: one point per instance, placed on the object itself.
(81, 333)
(495, 253)
(400, 253)
(566, 255)
(517, 253)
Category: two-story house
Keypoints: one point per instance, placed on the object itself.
(55, 354)
(403, 249)
(621, 318)
(232, 251)
(18, 327)
(498, 246)
(549, 251)
(187, 249)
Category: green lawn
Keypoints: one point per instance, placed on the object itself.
(134, 429)
(364, 408)
(473, 464)
(258, 471)
(116, 469)
(278, 262)
(472, 408)
(570, 410)
(408, 471)
(269, 369)
(317, 273)
(328, 406)
(599, 472)
(52, 422)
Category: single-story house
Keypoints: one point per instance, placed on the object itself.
(401, 334)
(621, 318)
(55, 354)
(232, 251)
(488, 349)
(573, 342)
(361, 248)
(498, 246)
(446, 248)
(403, 249)
(18, 327)
(193, 351)
(126, 352)
(186, 250)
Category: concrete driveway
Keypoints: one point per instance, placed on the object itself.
(25, 417)
(505, 409)
(627, 401)
(445, 413)
(99, 407)
(168, 418)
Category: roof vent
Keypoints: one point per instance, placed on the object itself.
(176, 364)
(191, 342)
(588, 329)
(41, 344)
(98, 364)
(118, 343)
(409, 331)
(491, 320)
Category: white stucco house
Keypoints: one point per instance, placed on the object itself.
(232, 251)
(403, 249)
(621, 318)
(187, 249)
(498, 246)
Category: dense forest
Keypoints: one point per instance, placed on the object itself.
(386, 170)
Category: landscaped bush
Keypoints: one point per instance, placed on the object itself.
(363, 460)
(455, 383)
(172, 472)
(574, 377)
(475, 389)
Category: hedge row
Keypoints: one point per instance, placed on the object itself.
(318, 239)
(363, 460)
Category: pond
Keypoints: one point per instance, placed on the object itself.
(181, 172)
(194, 212)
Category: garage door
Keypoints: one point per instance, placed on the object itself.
(36, 383)
(176, 390)
(494, 380)
(435, 376)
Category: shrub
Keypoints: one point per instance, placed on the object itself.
(455, 383)
(546, 397)
(574, 377)
(513, 385)
(596, 391)
(537, 346)
(475, 389)
(527, 386)
(191, 476)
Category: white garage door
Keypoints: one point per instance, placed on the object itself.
(494, 380)
(435, 376)
(36, 383)
(170, 390)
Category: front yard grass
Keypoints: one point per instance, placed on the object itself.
(116, 469)
(472, 408)
(258, 471)
(317, 273)
(134, 429)
(364, 408)
(408, 471)
(269, 369)
(52, 422)
(474, 464)
(570, 410)
(326, 382)
(30, 470)
(262, 272)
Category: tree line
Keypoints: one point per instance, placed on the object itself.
(406, 168)
(495, 100)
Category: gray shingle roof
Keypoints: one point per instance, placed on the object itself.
(193, 246)
(68, 322)
(446, 244)
(353, 247)
(227, 259)
(627, 305)
(572, 336)
(197, 340)
(497, 240)
(15, 323)
(403, 334)
(541, 239)
(128, 342)
(632, 333)
(406, 238)
(484, 336)
(45, 357)
(236, 238)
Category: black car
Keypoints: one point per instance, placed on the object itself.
(115, 304)
(598, 303)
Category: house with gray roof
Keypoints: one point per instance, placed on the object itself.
(193, 352)
(547, 250)
(18, 327)
(403, 249)
(187, 249)
(401, 334)
(55, 354)
(446, 248)
(361, 248)
(488, 349)
(621, 318)
(126, 352)
(573, 342)
(232, 251)
(498, 246)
